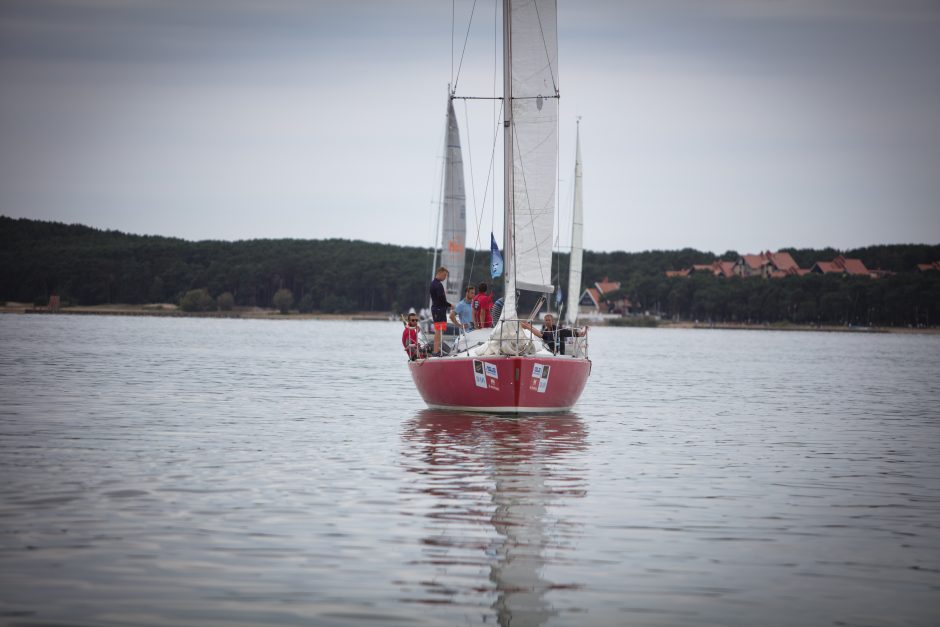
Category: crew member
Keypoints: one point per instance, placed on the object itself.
(439, 307)
(409, 337)
(482, 303)
(462, 314)
(553, 338)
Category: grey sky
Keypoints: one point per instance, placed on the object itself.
(725, 124)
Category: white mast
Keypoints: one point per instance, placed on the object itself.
(509, 299)
(577, 227)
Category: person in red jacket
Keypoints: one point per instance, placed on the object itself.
(482, 304)
(409, 338)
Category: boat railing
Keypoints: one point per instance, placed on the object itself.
(518, 341)
(576, 345)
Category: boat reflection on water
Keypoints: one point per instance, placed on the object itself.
(493, 491)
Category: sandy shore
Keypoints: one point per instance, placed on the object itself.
(796, 327)
(171, 311)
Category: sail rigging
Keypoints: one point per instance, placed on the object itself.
(577, 228)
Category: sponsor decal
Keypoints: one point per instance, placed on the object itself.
(539, 380)
(492, 375)
(485, 375)
(478, 377)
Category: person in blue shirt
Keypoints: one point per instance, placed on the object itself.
(462, 314)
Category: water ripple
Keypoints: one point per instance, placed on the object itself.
(206, 472)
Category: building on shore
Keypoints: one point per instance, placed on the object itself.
(777, 265)
(841, 265)
(593, 303)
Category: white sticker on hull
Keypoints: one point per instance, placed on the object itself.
(485, 375)
(478, 377)
(539, 380)
(491, 370)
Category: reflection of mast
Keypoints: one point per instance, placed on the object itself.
(521, 499)
(518, 462)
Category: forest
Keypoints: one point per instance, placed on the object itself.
(88, 266)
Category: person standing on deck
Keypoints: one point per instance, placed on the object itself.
(462, 314)
(482, 304)
(439, 306)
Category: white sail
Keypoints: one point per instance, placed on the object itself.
(454, 219)
(577, 227)
(532, 146)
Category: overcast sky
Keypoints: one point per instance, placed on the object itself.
(724, 124)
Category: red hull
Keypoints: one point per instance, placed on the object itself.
(501, 384)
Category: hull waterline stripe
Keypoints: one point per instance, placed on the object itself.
(502, 409)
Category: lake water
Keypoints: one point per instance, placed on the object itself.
(223, 472)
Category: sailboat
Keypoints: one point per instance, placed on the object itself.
(453, 211)
(507, 369)
(452, 220)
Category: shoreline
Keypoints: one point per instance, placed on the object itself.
(256, 313)
(729, 326)
(169, 311)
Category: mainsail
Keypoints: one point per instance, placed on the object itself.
(454, 222)
(531, 146)
(577, 227)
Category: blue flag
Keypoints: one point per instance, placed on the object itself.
(496, 259)
(558, 298)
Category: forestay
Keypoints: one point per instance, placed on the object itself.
(577, 227)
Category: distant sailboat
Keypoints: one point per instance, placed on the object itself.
(454, 211)
(508, 369)
(452, 216)
(577, 228)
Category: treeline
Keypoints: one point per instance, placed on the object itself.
(87, 266)
(903, 299)
(906, 298)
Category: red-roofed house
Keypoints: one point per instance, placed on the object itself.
(607, 285)
(927, 267)
(715, 268)
(766, 264)
(726, 268)
(783, 261)
(841, 265)
(826, 267)
(592, 301)
(750, 265)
